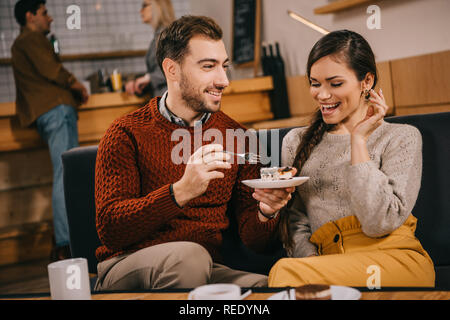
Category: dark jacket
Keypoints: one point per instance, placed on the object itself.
(158, 83)
(42, 82)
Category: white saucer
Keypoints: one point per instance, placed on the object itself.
(269, 184)
(337, 293)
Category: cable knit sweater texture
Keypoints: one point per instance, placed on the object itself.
(134, 207)
(381, 192)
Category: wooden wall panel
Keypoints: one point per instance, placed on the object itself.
(300, 101)
(113, 99)
(298, 121)
(247, 107)
(422, 110)
(92, 124)
(29, 205)
(95, 101)
(14, 137)
(249, 85)
(422, 80)
(21, 169)
(7, 109)
(26, 242)
(385, 83)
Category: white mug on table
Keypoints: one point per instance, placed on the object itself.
(69, 279)
(219, 291)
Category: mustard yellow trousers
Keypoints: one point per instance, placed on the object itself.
(348, 257)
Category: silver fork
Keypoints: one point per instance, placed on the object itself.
(249, 157)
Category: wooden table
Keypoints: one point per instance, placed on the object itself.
(395, 295)
(371, 295)
(173, 305)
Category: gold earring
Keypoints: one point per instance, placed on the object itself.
(366, 94)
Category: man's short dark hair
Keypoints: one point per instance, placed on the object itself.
(23, 6)
(173, 40)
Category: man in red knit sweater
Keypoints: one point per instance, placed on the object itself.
(161, 221)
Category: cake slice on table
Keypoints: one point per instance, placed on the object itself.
(313, 292)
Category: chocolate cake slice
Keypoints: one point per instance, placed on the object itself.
(313, 292)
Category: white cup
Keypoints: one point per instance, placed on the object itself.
(69, 279)
(216, 292)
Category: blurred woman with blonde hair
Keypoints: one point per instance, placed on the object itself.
(158, 14)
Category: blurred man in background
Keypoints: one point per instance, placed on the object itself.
(47, 96)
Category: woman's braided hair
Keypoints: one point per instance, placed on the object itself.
(352, 49)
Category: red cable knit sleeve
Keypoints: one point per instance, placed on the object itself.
(124, 215)
(254, 233)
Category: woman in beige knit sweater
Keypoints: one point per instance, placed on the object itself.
(351, 223)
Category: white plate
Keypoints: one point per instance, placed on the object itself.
(243, 296)
(268, 184)
(337, 293)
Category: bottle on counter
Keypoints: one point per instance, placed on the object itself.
(282, 94)
(265, 61)
(104, 82)
(273, 65)
(116, 80)
(55, 44)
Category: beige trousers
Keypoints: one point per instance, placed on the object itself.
(170, 265)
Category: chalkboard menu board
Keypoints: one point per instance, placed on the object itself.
(245, 31)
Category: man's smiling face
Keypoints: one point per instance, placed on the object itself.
(203, 74)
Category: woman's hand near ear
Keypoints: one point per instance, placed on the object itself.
(374, 118)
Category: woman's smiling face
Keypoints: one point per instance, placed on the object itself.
(338, 91)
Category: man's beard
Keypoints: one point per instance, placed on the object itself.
(193, 99)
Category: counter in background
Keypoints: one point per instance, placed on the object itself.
(245, 100)
(94, 118)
